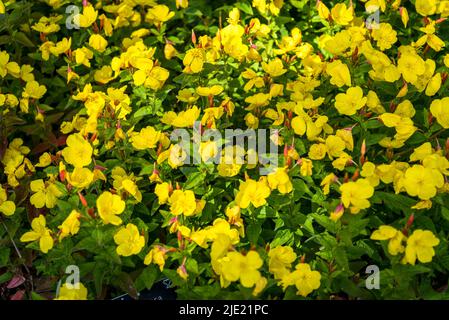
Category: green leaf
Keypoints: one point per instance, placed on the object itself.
(253, 231)
(147, 278)
(283, 236)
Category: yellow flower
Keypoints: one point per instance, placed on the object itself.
(280, 261)
(170, 51)
(6, 207)
(395, 237)
(47, 25)
(45, 194)
(70, 226)
(236, 266)
(334, 146)
(125, 182)
(156, 256)
(194, 60)
(411, 66)
(385, 36)
(339, 73)
(327, 181)
(61, 47)
(355, 195)
(40, 232)
(150, 75)
(34, 90)
(304, 279)
(159, 14)
(280, 180)
(187, 95)
(88, 17)
(104, 75)
(44, 160)
(274, 68)
(97, 42)
(162, 190)
(183, 119)
(129, 240)
(209, 91)
(251, 121)
(323, 11)
(306, 167)
(78, 151)
(109, 206)
(440, 110)
(83, 55)
(182, 4)
(257, 100)
(75, 292)
(420, 246)
(426, 7)
(341, 14)
(182, 202)
(350, 102)
(147, 138)
(422, 182)
(6, 66)
(252, 192)
(80, 178)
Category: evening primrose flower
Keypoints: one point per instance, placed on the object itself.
(252, 192)
(182, 202)
(411, 66)
(149, 74)
(306, 166)
(303, 278)
(440, 110)
(80, 178)
(422, 182)
(125, 182)
(350, 102)
(78, 151)
(97, 42)
(385, 36)
(339, 73)
(88, 17)
(274, 68)
(236, 266)
(341, 14)
(74, 292)
(209, 91)
(420, 246)
(156, 256)
(162, 190)
(183, 119)
(281, 258)
(45, 193)
(34, 90)
(395, 237)
(129, 240)
(355, 195)
(147, 138)
(6, 207)
(159, 14)
(109, 207)
(194, 60)
(70, 226)
(40, 232)
(280, 180)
